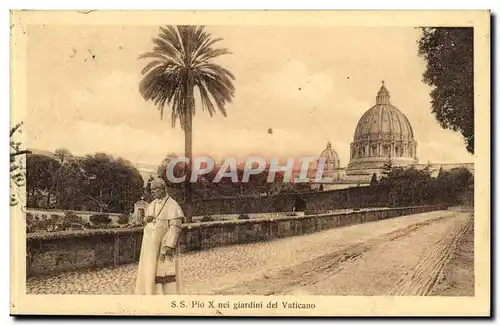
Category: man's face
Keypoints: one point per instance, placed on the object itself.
(158, 192)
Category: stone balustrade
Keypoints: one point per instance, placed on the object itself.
(55, 252)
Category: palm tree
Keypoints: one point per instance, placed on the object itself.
(181, 60)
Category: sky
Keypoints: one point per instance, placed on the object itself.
(310, 85)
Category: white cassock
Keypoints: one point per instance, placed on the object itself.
(164, 231)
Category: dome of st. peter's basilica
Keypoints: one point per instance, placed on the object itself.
(383, 133)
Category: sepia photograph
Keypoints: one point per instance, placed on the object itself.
(250, 163)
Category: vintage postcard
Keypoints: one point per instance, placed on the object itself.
(250, 163)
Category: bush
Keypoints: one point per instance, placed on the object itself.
(56, 218)
(100, 219)
(243, 217)
(70, 217)
(72, 221)
(42, 223)
(51, 223)
(56, 222)
(410, 187)
(31, 223)
(123, 219)
(207, 218)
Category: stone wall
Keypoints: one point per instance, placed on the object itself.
(358, 197)
(48, 253)
(55, 252)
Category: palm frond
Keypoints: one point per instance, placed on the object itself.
(167, 49)
(206, 102)
(153, 55)
(221, 88)
(204, 45)
(218, 92)
(190, 38)
(158, 85)
(210, 54)
(180, 61)
(186, 34)
(150, 65)
(218, 72)
(171, 35)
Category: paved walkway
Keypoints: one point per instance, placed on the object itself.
(287, 265)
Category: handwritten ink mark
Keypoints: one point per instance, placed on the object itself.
(93, 55)
(17, 175)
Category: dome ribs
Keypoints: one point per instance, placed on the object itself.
(382, 131)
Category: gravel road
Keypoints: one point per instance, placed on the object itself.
(408, 255)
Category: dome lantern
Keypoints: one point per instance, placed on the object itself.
(383, 96)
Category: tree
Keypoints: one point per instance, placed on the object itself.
(42, 178)
(181, 60)
(449, 54)
(455, 183)
(98, 183)
(116, 186)
(62, 154)
(387, 167)
(408, 186)
(71, 183)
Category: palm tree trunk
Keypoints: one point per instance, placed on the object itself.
(188, 152)
(188, 149)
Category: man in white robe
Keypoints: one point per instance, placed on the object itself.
(160, 244)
